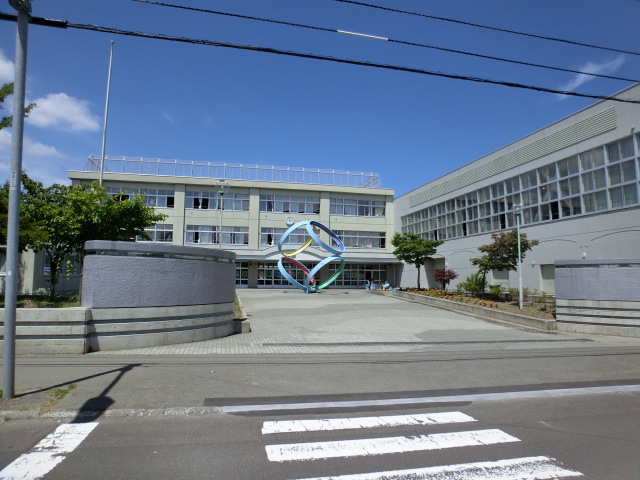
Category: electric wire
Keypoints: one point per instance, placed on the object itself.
(498, 29)
(390, 40)
(194, 41)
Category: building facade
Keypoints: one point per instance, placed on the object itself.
(574, 185)
(255, 206)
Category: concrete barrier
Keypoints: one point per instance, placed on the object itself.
(137, 295)
(598, 296)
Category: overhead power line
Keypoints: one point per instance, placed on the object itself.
(498, 29)
(390, 40)
(194, 41)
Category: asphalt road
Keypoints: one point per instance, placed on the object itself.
(575, 418)
(443, 396)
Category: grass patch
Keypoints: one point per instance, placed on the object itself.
(55, 395)
(39, 301)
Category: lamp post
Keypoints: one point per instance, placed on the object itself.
(13, 214)
(222, 187)
(517, 210)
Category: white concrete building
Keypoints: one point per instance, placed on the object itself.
(577, 183)
(258, 206)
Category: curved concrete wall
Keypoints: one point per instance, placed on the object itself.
(136, 295)
(129, 275)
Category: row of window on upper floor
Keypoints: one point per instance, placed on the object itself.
(207, 234)
(599, 179)
(268, 203)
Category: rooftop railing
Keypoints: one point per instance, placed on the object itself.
(232, 171)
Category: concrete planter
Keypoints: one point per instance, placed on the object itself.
(539, 323)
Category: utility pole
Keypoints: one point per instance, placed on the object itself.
(15, 177)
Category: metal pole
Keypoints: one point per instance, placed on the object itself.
(106, 115)
(13, 223)
(519, 259)
(220, 198)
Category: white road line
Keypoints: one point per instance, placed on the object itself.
(290, 426)
(48, 453)
(474, 397)
(380, 446)
(528, 468)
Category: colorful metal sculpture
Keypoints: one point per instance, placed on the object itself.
(310, 285)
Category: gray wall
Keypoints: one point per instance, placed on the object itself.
(613, 280)
(598, 296)
(125, 274)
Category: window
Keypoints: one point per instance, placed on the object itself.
(568, 166)
(203, 234)
(622, 172)
(289, 204)
(235, 202)
(161, 232)
(359, 207)
(570, 207)
(201, 200)
(622, 196)
(152, 197)
(620, 150)
(353, 239)
(235, 235)
(596, 201)
(592, 158)
(242, 273)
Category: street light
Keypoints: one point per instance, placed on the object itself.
(221, 187)
(517, 210)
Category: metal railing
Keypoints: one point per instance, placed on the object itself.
(232, 171)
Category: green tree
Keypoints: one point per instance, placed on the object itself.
(414, 250)
(65, 217)
(5, 91)
(502, 253)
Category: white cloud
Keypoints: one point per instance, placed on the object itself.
(7, 70)
(59, 110)
(167, 116)
(603, 68)
(41, 162)
(40, 150)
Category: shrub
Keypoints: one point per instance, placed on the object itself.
(474, 284)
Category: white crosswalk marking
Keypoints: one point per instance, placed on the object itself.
(526, 468)
(529, 468)
(380, 446)
(48, 453)
(290, 426)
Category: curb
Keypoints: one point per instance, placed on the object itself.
(531, 322)
(88, 415)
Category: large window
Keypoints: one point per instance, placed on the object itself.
(152, 197)
(207, 234)
(210, 201)
(353, 239)
(357, 207)
(161, 232)
(289, 204)
(596, 180)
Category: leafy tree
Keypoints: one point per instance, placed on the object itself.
(65, 217)
(5, 91)
(444, 276)
(414, 250)
(502, 254)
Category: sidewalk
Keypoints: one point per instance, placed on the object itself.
(297, 345)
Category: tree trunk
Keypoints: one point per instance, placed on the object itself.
(418, 276)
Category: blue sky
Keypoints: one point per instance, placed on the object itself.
(196, 102)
